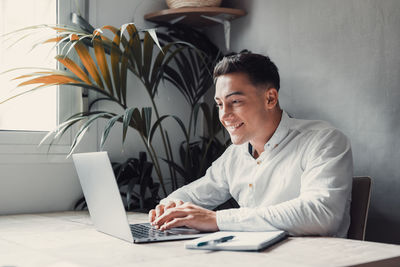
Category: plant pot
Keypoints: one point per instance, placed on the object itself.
(192, 3)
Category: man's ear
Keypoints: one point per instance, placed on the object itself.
(271, 98)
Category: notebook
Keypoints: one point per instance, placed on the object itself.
(105, 205)
(242, 241)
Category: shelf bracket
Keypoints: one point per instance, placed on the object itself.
(227, 29)
(176, 20)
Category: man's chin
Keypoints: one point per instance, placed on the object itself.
(236, 140)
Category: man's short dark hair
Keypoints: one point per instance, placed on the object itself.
(260, 69)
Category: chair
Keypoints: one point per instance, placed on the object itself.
(360, 195)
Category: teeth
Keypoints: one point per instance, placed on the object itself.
(234, 126)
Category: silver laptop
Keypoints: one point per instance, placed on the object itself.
(106, 208)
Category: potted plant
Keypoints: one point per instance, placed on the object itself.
(151, 60)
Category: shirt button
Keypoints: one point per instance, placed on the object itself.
(258, 162)
(250, 185)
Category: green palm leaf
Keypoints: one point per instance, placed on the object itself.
(107, 129)
(79, 135)
(158, 122)
(127, 121)
(147, 56)
(136, 45)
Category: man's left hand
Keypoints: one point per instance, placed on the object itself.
(188, 215)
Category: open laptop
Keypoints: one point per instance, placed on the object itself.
(106, 208)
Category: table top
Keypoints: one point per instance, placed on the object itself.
(68, 239)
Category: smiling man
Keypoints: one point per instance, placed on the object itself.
(287, 174)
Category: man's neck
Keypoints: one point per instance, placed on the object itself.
(258, 148)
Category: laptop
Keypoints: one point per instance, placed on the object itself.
(105, 205)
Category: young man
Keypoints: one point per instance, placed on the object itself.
(287, 174)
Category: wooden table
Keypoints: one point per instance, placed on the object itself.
(68, 239)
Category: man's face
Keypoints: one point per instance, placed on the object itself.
(242, 108)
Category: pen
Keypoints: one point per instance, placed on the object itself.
(216, 241)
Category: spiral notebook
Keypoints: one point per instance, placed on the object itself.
(240, 241)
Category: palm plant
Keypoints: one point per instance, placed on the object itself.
(105, 72)
(191, 77)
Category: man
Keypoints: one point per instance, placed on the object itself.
(287, 174)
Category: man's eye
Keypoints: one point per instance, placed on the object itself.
(236, 101)
(218, 105)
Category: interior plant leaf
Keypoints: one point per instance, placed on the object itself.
(28, 91)
(117, 34)
(49, 79)
(124, 72)
(115, 56)
(108, 128)
(83, 130)
(127, 118)
(157, 123)
(147, 56)
(57, 129)
(74, 68)
(87, 61)
(102, 62)
(136, 46)
(146, 115)
(162, 60)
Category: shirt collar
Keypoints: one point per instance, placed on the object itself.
(280, 133)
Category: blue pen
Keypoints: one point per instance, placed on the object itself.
(216, 241)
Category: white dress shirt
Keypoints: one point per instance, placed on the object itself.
(301, 183)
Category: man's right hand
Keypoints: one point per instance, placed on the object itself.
(161, 208)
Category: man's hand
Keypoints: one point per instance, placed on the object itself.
(160, 209)
(186, 214)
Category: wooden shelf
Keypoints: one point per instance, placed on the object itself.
(192, 16)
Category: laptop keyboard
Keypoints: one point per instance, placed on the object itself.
(147, 231)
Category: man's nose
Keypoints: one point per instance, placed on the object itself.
(224, 112)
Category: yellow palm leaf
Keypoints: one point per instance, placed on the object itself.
(87, 60)
(54, 40)
(74, 68)
(102, 62)
(50, 79)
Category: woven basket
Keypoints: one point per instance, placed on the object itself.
(192, 3)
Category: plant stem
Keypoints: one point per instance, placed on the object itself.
(174, 179)
(162, 135)
(150, 150)
(187, 155)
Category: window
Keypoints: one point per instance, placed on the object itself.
(38, 110)
(25, 120)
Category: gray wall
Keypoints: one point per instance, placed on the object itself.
(339, 61)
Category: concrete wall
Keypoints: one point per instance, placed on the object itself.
(339, 61)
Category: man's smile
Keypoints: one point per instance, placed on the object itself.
(233, 127)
